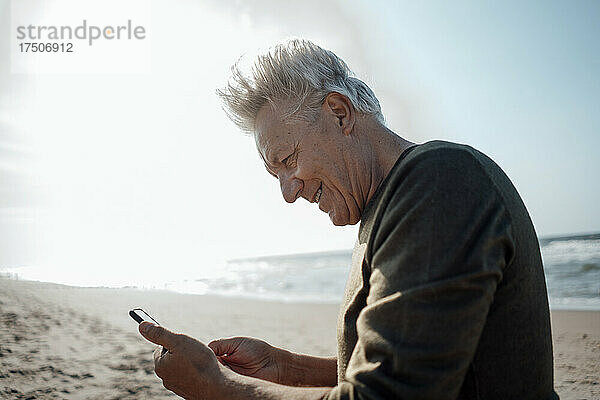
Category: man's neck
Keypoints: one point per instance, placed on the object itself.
(386, 149)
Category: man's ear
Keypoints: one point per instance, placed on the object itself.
(339, 108)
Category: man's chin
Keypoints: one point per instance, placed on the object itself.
(346, 220)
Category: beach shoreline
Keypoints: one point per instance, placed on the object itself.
(63, 342)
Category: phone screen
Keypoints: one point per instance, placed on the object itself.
(140, 315)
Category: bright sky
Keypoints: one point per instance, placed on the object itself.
(140, 173)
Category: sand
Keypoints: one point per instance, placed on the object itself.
(61, 342)
(576, 337)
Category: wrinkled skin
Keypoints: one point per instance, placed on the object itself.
(305, 156)
(345, 153)
(186, 366)
(250, 357)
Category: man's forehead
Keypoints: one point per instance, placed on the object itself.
(265, 144)
(268, 131)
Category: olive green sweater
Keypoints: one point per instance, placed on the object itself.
(446, 297)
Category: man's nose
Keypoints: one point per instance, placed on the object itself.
(290, 187)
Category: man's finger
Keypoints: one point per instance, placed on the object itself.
(158, 335)
(224, 346)
(157, 353)
(223, 363)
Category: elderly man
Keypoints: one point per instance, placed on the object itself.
(446, 297)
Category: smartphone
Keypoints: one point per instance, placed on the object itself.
(140, 315)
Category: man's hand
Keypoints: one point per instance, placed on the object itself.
(252, 357)
(258, 359)
(186, 366)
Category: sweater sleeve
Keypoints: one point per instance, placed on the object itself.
(436, 256)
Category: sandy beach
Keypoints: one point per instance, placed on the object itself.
(61, 342)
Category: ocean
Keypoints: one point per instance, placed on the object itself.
(572, 269)
(571, 266)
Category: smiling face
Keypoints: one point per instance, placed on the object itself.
(316, 161)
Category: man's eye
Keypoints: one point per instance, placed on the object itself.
(285, 160)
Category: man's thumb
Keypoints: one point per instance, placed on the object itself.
(224, 346)
(157, 334)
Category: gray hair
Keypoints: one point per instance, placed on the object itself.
(299, 74)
